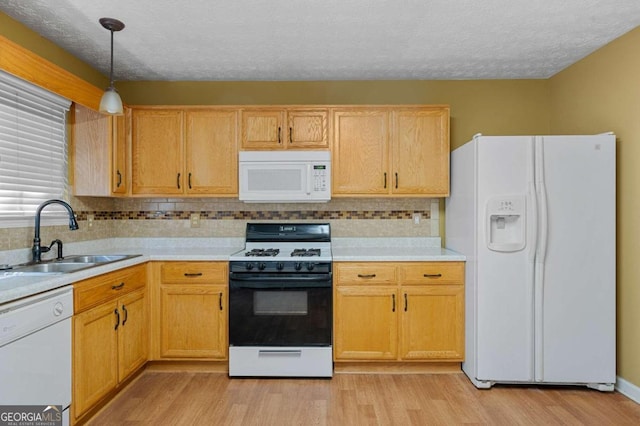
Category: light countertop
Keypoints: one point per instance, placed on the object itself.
(205, 249)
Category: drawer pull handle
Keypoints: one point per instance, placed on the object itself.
(193, 274)
(126, 315)
(117, 287)
(117, 318)
(220, 300)
(366, 275)
(406, 302)
(432, 275)
(393, 303)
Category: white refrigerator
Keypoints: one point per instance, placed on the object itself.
(536, 218)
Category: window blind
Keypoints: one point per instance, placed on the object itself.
(33, 148)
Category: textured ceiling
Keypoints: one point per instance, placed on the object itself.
(330, 39)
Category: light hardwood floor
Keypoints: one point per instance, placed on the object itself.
(199, 398)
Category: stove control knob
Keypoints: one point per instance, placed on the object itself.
(262, 265)
(280, 266)
(249, 266)
(297, 266)
(310, 266)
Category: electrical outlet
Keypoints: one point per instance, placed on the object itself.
(195, 220)
(90, 218)
(416, 218)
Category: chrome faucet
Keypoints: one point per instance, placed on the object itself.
(37, 249)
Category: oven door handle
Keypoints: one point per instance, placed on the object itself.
(326, 278)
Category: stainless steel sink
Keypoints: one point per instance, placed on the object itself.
(66, 265)
(53, 268)
(96, 258)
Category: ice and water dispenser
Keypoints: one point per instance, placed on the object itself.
(506, 223)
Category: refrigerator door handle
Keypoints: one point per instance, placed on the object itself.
(543, 228)
(532, 229)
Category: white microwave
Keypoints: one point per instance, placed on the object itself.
(284, 176)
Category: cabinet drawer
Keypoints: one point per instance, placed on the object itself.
(94, 291)
(194, 272)
(432, 273)
(365, 273)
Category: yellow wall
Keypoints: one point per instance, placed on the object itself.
(42, 47)
(597, 94)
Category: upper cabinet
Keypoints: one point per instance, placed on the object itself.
(99, 152)
(360, 152)
(377, 151)
(184, 152)
(157, 152)
(284, 128)
(420, 151)
(394, 151)
(211, 152)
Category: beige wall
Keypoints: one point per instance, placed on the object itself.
(598, 94)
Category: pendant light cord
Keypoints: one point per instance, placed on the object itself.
(111, 72)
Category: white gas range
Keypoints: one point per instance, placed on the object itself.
(280, 302)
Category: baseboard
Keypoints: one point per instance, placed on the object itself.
(387, 367)
(628, 389)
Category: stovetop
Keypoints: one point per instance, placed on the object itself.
(271, 252)
(291, 242)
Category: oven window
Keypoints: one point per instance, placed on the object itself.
(280, 303)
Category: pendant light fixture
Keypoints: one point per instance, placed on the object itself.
(111, 102)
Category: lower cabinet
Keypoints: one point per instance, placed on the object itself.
(193, 310)
(401, 311)
(110, 334)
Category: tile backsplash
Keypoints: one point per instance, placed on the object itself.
(168, 217)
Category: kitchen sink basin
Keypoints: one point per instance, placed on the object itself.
(66, 265)
(53, 268)
(95, 258)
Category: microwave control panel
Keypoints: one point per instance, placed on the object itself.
(319, 177)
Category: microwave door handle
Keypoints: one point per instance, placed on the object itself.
(309, 176)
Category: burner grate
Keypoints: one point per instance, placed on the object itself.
(270, 252)
(312, 252)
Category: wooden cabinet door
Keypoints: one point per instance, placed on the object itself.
(420, 152)
(432, 322)
(91, 136)
(262, 129)
(157, 152)
(193, 321)
(133, 336)
(307, 128)
(365, 323)
(119, 155)
(95, 355)
(360, 152)
(211, 152)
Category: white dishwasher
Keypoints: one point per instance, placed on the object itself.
(35, 350)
